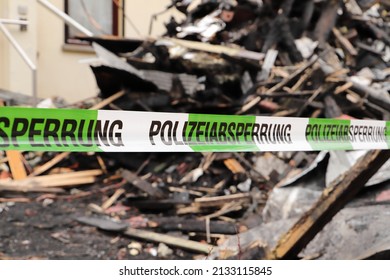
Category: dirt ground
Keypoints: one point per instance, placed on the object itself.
(37, 231)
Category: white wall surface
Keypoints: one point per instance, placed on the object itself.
(16, 75)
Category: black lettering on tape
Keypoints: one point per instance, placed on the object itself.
(183, 135)
(115, 133)
(174, 134)
(207, 133)
(365, 129)
(278, 133)
(255, 132)
(101, 135)
(270, 139)
(231, 135)
(19, 128)
(316, 132)
(351, 134)
(248, 133)
(200, 131)
(240, 130)
(69, 127)
(213, 136)
(33, 131)
(3, 134)
(154, 130)
(191, 132)
(345, 134)
(287, 134)
(263, 133)
(51, 129)
(168, 125)
(85, 142)
(222, 132)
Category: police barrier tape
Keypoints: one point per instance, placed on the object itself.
(31, 129)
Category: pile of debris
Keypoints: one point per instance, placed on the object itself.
(281, 58)
(270, 58)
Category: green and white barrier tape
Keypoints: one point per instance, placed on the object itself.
(120, 131)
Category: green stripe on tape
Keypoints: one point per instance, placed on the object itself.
(48, 129)
(328, 134)
(388, 134)
(222, 133)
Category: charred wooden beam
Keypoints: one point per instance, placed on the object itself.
(334, 198)
(169, 240)
(143, 185)
(110, 225)
(332, 109)
(294, 75)
(327, 21)
(192, 225)
(280, 35)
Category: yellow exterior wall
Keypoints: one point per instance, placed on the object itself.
(4, 56)
(14, 72)
(59, 71)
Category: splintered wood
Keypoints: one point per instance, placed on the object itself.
(41, 183)
(295, 74)
(108, 100)
(221, 200)
(43, 168)
(16, 165)
(234, 166)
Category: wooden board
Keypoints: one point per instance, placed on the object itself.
(16, 165)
